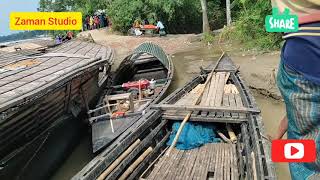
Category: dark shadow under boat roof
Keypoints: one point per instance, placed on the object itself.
(25, 79)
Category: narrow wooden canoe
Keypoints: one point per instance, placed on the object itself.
(140, 152)
(38, 92)
(147, 63)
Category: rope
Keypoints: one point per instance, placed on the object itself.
(33, 156)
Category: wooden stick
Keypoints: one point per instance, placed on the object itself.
(175, 140)
(111, 105)
(227, 77)
(118, 160)
(135, 164)
(254, 170)
(140, 93)
(231, 133)
(223, 137)
(109, 109)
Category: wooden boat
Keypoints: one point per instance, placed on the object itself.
(141, 80)
(141, 152)
(38, 93)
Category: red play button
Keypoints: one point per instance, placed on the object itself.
(293, 150)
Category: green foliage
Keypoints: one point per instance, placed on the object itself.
(249, 25)
(171, 13)
(208, 37)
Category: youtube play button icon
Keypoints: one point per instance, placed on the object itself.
(293, 151)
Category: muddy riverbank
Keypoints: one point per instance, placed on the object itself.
(187, 59)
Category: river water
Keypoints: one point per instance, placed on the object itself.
(186, 66)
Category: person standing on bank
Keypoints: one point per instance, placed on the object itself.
(160, 28)
(298, 80)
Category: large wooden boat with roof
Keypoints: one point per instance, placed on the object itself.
(40, 93)
(217, 99)
(141, 80)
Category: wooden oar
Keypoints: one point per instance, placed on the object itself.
(118, 160)
(187, 117)
(135, 163)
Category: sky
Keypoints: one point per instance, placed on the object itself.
(7, 6)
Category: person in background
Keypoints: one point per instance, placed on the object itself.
(69, 36)
(136, 24)
(96, 22)
(101, 20)
(91, 22)
(87, 22)
(298, 80)
(161, 28)
(145, 22)
(58, 39)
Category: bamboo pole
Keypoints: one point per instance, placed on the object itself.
(254, 169)
(109, 109)
(140, 93)
(135, 164)
(223, 137)
(231, 133)
(118, 160)
(187, 117)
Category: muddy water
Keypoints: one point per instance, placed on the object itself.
(186, 66)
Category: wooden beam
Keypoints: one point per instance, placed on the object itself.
(206, 108)
(204, 119)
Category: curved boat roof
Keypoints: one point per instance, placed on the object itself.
(152, 50)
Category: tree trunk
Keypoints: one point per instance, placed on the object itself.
(228, 11)
(205, 22)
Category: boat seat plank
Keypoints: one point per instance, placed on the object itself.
(212, 90)
(220, 89)
(213, 161)
(226, 103)
(232, 101)
(204, 98)
(239, 104)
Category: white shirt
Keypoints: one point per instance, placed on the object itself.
(160, 25)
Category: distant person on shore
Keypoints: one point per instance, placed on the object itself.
(91, 22)
(58, 39)
(96, 22)
(101, 19)
(145, 22)
(136, 24)
(69, 36)
(299, 82)
(136, 27)
(161, 28)
(87, 22)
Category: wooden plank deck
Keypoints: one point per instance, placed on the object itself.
(211, 161)
(215, 95)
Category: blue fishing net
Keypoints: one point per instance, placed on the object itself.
(193, 135)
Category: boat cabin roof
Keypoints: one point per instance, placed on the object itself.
(24, 78)
(149, 51)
